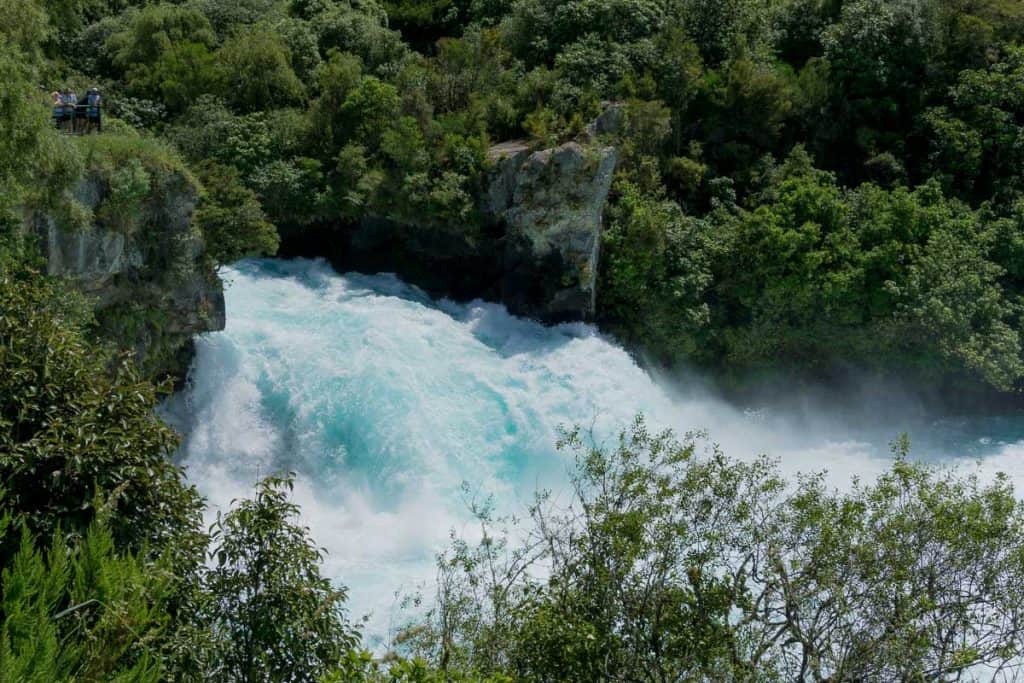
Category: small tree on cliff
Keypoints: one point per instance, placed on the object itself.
(231, 217)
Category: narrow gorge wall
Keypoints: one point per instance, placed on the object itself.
(124, 236)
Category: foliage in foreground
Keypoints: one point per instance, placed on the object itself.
(76, 609)
(669, 562)
(108, 578)
(274, 617)
(674, 564)
(77, 421)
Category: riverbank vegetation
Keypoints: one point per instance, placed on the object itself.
(805, 185)
(669, 561)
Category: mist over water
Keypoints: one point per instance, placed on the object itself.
(384, 403)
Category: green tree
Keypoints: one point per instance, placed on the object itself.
(832, 277)
(538, 30)
(209, 131)
(913, 577)
(369, 110)
(226, 17)
(655, 275)
(164, 46)
(273, 616)
(337, 78)
(878, 53)
(35, 162)
(726, 28)
(257, 73)
(180, 75)
(357, 183)
(82, 610)
(153, 30)
(973, 142)
(76, 422)
(24, 29)
(231, 218)
(953, 294)
(469, 69)
(678, 70)
(670, 563)
(358, 27)
(291, 191)
(424, 21)
(743, 109)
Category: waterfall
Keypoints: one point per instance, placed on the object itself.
(393, 409)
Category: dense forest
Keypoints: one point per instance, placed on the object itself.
(805, 185)
(815, 187)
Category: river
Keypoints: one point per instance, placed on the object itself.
(393, 409)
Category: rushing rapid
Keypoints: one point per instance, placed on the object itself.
(393, 409)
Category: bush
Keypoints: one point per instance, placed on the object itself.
(231, 218)
(163, 52)
(81, 609)
(272, 616)
(655, 276)
(675, 563)
(257, 72)
(829, 277)
(76, 423)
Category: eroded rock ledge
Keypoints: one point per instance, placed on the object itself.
(551, 203)
(139, 257)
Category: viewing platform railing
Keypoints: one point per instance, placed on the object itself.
(78, 119)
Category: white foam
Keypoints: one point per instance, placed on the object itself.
(384, 403)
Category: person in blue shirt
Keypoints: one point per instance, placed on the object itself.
(93, 103)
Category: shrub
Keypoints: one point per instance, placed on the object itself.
(231, 218)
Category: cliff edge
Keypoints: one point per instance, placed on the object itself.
(123, 234)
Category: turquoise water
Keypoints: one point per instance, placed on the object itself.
(385, 403)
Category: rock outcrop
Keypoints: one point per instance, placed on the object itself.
(533, 244)
(140, 259)
(551, 203)
(537, 249)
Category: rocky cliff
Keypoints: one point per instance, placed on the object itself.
(537, 252)
(551, 203)
(124, 236)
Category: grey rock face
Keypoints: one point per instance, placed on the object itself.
(152, 286)
(551, 203)
(609, 122)
(507, 157)
(91, 257)
(537, 248)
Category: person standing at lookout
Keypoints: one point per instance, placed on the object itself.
(58, 108)
(93, 102)
(67, 110)
(71, 108)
